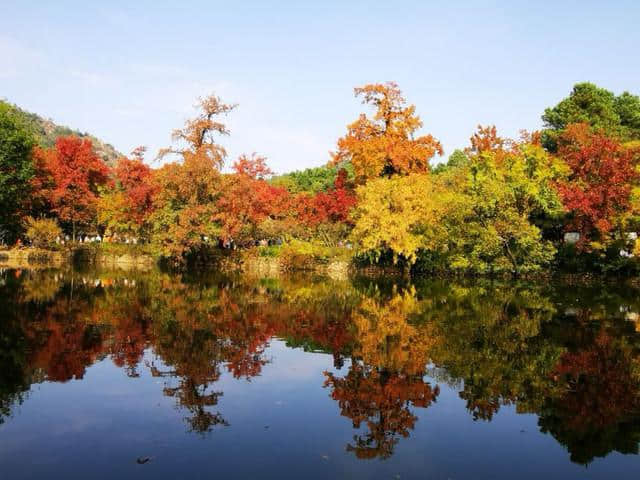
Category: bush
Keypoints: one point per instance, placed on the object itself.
(609, 260)
(270, 251)
(42, 232)
(301, 255)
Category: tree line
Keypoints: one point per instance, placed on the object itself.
(565, 196)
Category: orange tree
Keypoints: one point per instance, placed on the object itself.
(125, 207)
(188, 188)
(248, 200)
(385, 143)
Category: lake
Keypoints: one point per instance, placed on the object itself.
(107, 374)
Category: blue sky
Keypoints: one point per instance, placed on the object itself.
(129, 72)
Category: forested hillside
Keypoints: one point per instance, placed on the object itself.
(45, 132)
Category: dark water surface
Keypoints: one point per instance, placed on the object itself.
(154, 375)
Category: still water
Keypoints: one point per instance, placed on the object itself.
(155, 375)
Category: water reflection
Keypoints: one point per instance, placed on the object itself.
(569, 354)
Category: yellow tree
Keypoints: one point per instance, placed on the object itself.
(388, 339)
(386, 143)
(401, 215)
(386, 376)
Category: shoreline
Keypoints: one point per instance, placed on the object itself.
(250, 262)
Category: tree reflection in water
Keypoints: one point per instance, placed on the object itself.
(569, 354)
(386, 374)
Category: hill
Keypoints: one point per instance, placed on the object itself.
(46, 132)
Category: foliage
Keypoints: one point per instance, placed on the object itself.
(326, 215)
(16, 171)
(183, 220)
(598, 191)
(247, 200)
(402, 214)
(312, 180)
(184, 208)
(477, 216)
(125, 207)
(269, 251)
(617, 116)
(197, 141)
(457, 159)
(42, 232)
(76, 175)
(499, 194)
(385, 143)
(306, 255)
(498, 206)
(45, 132)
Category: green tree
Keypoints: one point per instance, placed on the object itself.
(478, 216)
(16, 171)
(312, 180)
(456, 159)
(602, 109)
(499, 194)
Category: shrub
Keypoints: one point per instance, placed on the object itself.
(301, 255)
(42, 232)
(270, 251)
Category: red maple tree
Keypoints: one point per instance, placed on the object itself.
(598, 189)
(75, 173)
(135, 178)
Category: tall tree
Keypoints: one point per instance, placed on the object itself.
(16, 171)
(598, 191)
(478, 216)
(188, 189)
(496, 200)
(126, 207)
(401, 215)
(247, 199)
(617, 116)
(385, 143)
(76, 173)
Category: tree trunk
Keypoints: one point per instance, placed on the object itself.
(406, 269)
(516, 272)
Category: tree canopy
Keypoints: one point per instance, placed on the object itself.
(598, 107)
(385, 143)
(16, 172)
